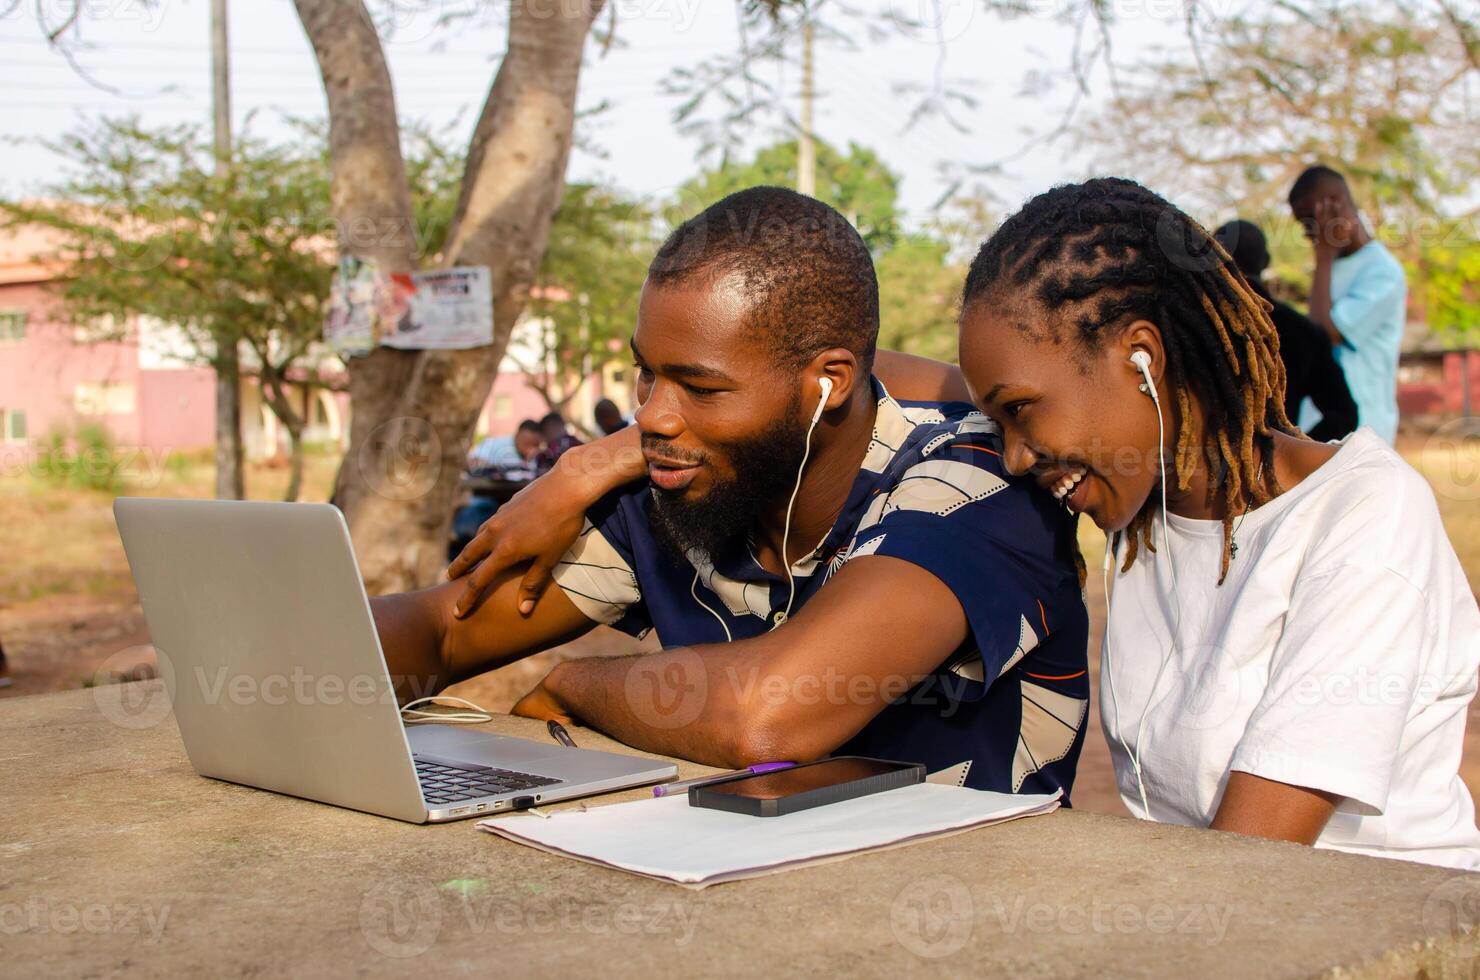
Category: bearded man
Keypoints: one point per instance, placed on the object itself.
(830, 570)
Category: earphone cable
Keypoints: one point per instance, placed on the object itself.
(791, 582)
(1176, 610)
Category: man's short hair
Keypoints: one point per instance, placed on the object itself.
(805, 269)
(529, 425)
(554, 418)
(1310, 179)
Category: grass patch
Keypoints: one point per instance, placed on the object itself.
(61, 540)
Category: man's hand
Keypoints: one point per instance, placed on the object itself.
(543, 520)
(542, 705)
(1334, 230)
(538, 525)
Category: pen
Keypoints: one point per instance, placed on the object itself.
(682, 786)
(558, 732)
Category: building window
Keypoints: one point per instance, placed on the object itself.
(93, 398)
(12, 325)
(503, 407)
(12, 426)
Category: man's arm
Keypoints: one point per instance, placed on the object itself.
(537, 526)
(1336, 226)
(1320, 295)
(542, 521)
(793, 694)
(919, 379)
(427, 647)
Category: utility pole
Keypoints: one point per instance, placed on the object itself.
(806, 148)
(229, 465)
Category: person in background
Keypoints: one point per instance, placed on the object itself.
(1311, 370)
(609, 417)
(1358, 294)
(516, 452)
(5, 679)
(557, 440)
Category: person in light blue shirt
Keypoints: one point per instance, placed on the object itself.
(516, 452)
(1358, 294)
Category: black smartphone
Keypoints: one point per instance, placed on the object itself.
(775, 794)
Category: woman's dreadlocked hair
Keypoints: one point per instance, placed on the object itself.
(1104, 253)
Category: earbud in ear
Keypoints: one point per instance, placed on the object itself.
(826, 385)
(1142, 361)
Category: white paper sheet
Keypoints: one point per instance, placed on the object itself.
(665, 838)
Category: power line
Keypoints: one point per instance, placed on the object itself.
(388, 44)
(309, 67)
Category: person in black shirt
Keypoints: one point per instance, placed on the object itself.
(557, 440)
(609, 417)
(1311, 370)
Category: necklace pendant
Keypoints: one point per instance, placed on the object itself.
(1232, 550)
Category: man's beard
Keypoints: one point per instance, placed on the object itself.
(765, 468)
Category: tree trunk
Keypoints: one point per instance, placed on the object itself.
(414, 411)
(230, 483)
(295, 471)
(280, 405)
(230, 477)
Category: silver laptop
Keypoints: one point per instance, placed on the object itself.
(274, 667)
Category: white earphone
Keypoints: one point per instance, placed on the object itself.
(826, 385)
(1142, 360)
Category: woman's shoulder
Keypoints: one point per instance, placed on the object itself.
(1365, 504)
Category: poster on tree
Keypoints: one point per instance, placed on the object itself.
(444, 309)
(349, 326)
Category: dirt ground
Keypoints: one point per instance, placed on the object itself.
(69, 615)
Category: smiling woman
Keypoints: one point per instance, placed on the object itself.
(1293, 644)
(1290, 635)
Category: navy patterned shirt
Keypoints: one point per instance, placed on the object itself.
(933, 491)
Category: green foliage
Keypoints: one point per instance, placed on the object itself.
(151, 231)
(919, 272)
(1382, 92)
(584, 302)
(434, 171)
(919, 290)
(857, 183)
(1448, 275)
(87, 461)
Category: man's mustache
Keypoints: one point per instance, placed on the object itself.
(659, 446)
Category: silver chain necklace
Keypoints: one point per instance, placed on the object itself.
(1233, 535)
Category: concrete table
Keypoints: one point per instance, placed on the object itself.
(116, 858)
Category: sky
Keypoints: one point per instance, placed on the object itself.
(157, 58)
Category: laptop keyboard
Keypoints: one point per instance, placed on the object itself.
(447, 782)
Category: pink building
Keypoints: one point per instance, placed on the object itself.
(1435, 385)
(148, 397)
(51, 381)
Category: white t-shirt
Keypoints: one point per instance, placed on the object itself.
(1340, 655)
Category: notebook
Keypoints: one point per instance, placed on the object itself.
(666, 839)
